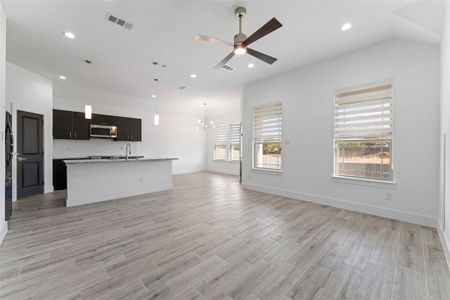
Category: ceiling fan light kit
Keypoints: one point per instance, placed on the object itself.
(241, 41)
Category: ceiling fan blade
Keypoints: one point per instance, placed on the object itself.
(200, 37)
(264, 57)
(267, 28)
(224, 61)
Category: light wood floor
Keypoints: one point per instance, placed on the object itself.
(209, 238)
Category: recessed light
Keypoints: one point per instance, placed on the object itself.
(251, 65)
(69, 35)
(153, 96)
(62, 77)
(193, 75)
(346, 26)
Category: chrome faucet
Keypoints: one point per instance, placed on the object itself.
(127, 151)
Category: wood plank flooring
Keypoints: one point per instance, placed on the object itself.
(210, 239)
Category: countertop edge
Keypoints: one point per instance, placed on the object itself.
(86, 161)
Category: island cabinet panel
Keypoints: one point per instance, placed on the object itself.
(135, 130)
(59, 175)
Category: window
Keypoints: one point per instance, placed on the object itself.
(363, 133)
(267, 137)
(235, 141)
(221, 142)
(227, 142)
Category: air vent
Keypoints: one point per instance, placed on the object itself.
(228, 68)
(119, 21)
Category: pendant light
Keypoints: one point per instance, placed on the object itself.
(155, 96)
(88, 111)
(88, 107)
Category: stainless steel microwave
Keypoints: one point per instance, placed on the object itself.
(103, 131)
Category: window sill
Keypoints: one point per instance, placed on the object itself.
(362, 181)
(225, 161)
(267, 171)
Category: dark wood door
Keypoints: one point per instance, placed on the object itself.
(30, 154)
(80, 126)
(136, 130)
(62, 124)
(123, 128)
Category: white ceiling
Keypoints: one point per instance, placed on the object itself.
(163, 31)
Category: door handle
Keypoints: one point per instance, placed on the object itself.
(20, 158)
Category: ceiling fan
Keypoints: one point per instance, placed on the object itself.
(241, 41)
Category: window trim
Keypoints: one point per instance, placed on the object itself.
(362, 180)
(263, 170)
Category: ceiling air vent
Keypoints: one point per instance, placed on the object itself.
(119, 21)
(228, 68)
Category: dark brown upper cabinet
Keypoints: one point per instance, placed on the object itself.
(70, 125)
(123, 128)
(129, 129)
(80, 126)
(135, 130)
(62, 124)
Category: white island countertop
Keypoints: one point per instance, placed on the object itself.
(91, 180)
(103, 160)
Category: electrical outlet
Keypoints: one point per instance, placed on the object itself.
(388, 196)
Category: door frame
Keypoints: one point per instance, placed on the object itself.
(41, 189)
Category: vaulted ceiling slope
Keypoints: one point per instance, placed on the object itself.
(164, 30)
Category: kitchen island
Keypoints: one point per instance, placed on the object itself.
(96, 180)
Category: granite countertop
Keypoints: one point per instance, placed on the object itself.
(84, 161)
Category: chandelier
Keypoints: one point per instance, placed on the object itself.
(204, 124)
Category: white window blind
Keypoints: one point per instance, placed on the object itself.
(220, 142)
(235, 134)
(364, 113)
(235, 142)
(221, 135)
(267, 137)
(363, 122)
(267, 123)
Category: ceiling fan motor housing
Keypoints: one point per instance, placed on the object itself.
(239, 39)
(240, 11)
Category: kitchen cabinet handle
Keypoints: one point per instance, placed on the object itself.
(75, 134)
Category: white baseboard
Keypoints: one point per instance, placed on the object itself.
(344, 204)
(220, 171)
(3, 231)
(445, 242)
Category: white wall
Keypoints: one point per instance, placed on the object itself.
(444, 199)
(33, 93)
(218, 166)
(3, 223)
(307, 97)
(175, 137)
